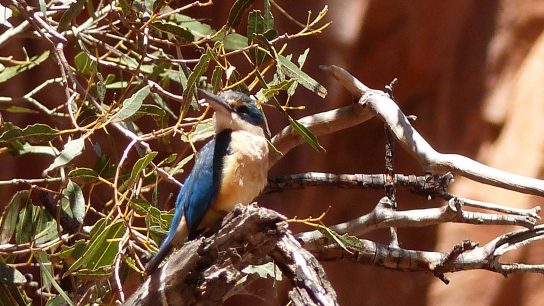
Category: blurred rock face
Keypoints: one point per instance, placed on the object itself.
(472, 72)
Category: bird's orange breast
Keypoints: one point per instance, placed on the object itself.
(244, 172)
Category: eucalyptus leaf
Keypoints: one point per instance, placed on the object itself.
(174, 29)
(85, 173)
(138, 167)
(217, 84)
(71, 149)
(102, 247)
(306, 135)
(33, 133)
(194, 77)
(12, 71)
(46, 272)
(70, 14)
(290, 69)
(84, 64)
(101, 87)
(10, 275)
(27, 148)
(10, 214)
(268, 18)
(24, 224)
(236, 12)
(235, 41)
(73, 197)
(266, 270)
(197, 28)
(132, 105)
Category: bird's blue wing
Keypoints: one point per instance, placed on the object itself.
(204, 182)
(200, 188)
(193, 200)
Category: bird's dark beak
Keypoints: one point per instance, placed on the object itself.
(216, 102)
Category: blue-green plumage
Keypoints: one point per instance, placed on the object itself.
(230, 169)
(204, 182)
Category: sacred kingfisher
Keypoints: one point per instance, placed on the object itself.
(230, 169)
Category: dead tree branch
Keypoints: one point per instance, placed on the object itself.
(466, 256)
(206, 271)
(384, 216)
(372, 103)
(427, 185)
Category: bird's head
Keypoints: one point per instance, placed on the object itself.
(235, 111)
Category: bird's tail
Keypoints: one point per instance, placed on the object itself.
(154, 263)
(176, 236)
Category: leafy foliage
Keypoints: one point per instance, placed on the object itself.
(129, 72)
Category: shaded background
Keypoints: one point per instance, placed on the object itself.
(471, 71)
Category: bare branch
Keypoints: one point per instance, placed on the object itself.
(466, 256)
(383, 216)
(387, 110)
(319, 124)
(208, 270)
(425, 185)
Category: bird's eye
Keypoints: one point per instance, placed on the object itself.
(242, 109)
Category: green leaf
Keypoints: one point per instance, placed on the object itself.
(83, 173)
(9, 275)
(24, 224)
(132, 104)
(45, 267)
(74, 251)
(255, 31)
(217, 84)
(9, 216)
(71, 149)
(102, 247)
(70, 14)
(302, 58)
(154, 216)
(12, 71)
(46, 272)
(138, 167)
(101, 87)
(306, 134)
(32, 133)
(46, 226)
(235, 41)
(266, 270)
(197, 28)
(84, 64)
(17, 109)
(255, 24)
(290, 69)
(117, 85)
(56, 301)
(347, 242)
(11, 289)
(174, 29)
(236, 12)
(268, 18)
(170, 159)
(179, 167)
(194, 77)
(150, 110)
(26, 148)
(203, 130)
(274, 89)
(72, 197)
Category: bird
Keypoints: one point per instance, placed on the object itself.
(230, 169)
